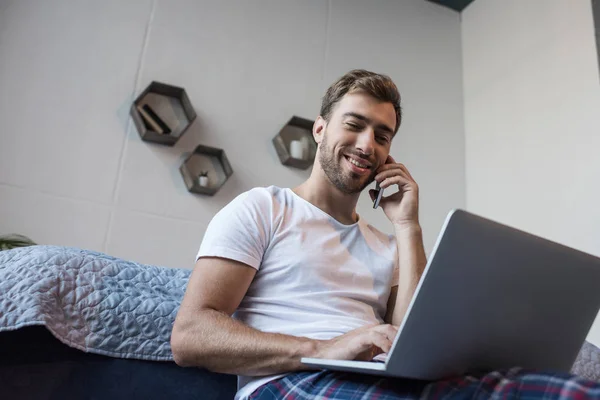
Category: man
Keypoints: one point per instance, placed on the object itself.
(289, 273)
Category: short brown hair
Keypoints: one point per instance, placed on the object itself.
(359, 80)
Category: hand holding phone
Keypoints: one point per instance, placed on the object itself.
(401, 207)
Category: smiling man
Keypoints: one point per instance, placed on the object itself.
(286, 273)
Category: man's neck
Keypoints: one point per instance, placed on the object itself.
(320, 192)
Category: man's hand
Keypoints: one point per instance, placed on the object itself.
(402, 207)
(361, 344)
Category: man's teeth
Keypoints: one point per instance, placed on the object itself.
(353, 161)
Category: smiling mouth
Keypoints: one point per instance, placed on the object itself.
(357, 163)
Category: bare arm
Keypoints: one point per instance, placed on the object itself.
(205, 335)
(412, 262)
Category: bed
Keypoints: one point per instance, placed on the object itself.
(81, 324)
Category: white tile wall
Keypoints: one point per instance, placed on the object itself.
(67, 71)
(48, 219)
(154, 240)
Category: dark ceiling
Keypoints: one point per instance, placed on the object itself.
(457, 5)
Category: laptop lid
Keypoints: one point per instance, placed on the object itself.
(494, 297)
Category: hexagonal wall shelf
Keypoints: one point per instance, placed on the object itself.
(206, 170)
(162, 113)
(295, 144)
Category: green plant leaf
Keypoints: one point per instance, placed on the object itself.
(12, 241)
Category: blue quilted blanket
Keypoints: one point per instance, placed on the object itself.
(91, 301)
(105, 305)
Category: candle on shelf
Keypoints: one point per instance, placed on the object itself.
(297, 149)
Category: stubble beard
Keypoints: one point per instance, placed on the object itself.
(346, 182)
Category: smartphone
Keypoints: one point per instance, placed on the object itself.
(378, 194)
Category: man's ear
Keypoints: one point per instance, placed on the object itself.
(319, 129)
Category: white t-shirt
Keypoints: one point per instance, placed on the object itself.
(316, 277)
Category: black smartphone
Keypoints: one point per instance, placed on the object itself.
(378, 194)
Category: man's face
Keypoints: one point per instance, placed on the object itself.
(356, 141)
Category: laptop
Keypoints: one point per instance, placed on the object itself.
(491, 297)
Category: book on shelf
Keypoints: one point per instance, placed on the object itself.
(152, 121)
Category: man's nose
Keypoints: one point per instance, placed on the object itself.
(365, 142)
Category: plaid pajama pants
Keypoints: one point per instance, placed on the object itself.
(515, 383)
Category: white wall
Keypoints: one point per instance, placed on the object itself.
(532, 119)
(73, 170)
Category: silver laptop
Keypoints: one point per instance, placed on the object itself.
(491, 297)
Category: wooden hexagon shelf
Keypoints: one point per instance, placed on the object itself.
(295, 144)
(210, 162)
(162, 113)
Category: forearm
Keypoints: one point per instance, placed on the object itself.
(412, 261)
(219, 343)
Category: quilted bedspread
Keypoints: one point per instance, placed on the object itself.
(105, 305)
(91, 301)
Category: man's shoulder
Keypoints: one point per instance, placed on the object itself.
(259, 197)
(261, 193)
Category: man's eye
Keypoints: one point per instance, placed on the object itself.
(353, 126)
(383, 138)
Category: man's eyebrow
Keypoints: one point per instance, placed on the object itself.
(382, 127)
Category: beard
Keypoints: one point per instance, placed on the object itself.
(346, 181)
